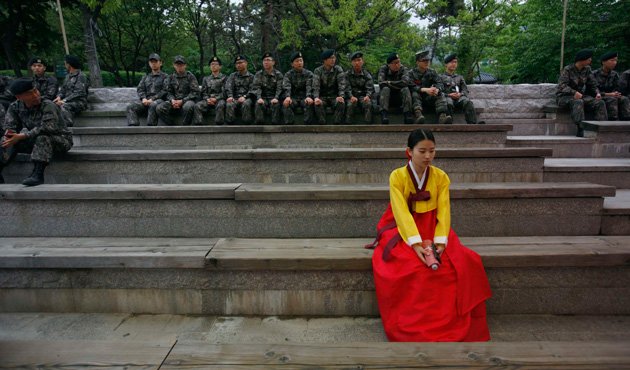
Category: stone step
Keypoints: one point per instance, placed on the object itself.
(575, 275)
(248, 137)
(562, 146)
(536, 126)
(616, 219)
(323, 165)
(288, 210)
(606, 171)
(613, 137)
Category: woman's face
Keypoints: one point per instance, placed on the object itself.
(423, 153)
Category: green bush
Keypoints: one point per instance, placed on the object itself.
(108, 77)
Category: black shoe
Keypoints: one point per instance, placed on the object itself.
(384, 118)
(481, 122)
(37, 177)
(408, 118)
(580, 132)
(1, 179)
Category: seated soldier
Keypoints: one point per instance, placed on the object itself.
(329, 88)
(394, 83)
(298, 91)
(427, 90)
(624, 84)
(577, 90)
(268, 90)
(151, 91)
(360, 89)
(456, 91)
(238, 90)
(212, 95)
(46, 132)
(73, 95)
(6, 97)
(47, 85)
(182, 93)
(617, 105)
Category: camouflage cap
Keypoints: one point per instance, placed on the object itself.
(240, 57)
(155, 57)
(610, 55)
(450, 58)
(423, 55)
(392, 57)
(327, 54)
(36, 60)
(583, 54)
(356, 54)
(294, 56)
(268, 55)
(21, 85)
(215, 59)
(73, 61)
(179, 59)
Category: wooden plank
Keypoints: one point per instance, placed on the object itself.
(507, 355)
(84, 354)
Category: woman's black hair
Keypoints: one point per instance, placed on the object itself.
(419, 135)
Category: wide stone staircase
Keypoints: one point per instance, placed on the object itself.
(242, 246)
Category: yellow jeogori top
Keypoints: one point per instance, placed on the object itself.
(401, 185)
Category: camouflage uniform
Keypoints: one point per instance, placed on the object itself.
(268, 86)
(151, 87)
(47, 131)
(359, 86)
(178, 87)
(624, 84)
(327, 86)
(617, 108)
(397, 89)
(74, 92)
(573, 80)
(47, 85)
(6, 97)
(211, 87)
(237, 86)
(298, 87)
(455, 83)
(428, 79)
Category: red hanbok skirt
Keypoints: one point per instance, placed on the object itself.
(418, 304)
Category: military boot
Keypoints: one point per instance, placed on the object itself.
(580, 132)
(37, 177)
(1, 177)
(444, 119)
(408, 118)
(384, 118)
(419, 118)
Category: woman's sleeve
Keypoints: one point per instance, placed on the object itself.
(443, 225)
(406, 225)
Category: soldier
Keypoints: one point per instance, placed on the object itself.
(212, 95)
(298, 91)
(268, 90)
(457, 92)
(238, 89)
(577, 90)
(329, 88)
(73, 95)
(394, 83)
(47, 85)
(6, 97)
(427, 90)
(624, 84)
(46, 133)
(151, 91)
(182, 92)
(360, 89)
(617, 105)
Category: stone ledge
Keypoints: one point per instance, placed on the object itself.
(607, 126)
(587, 164)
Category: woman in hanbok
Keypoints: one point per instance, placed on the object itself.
(417, 303)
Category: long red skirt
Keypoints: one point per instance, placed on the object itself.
(418, 304)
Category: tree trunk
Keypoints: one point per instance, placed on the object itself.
(96, 80)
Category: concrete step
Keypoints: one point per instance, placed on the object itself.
(562, 146)
(536, 126)
(248, 137)
(288, 211)
(606, 171)
(613, 137)
(324, 165)
(576, 275)
(616, 219)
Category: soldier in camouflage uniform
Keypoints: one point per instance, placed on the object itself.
(46, 132)
(329, 88)
(239, 91)
(182, 93)
(6, 97)
(393, 80)
(456, 91)
(577, 90)
(212, 94)
(268, 90)
(47, 85)
(151, 91)
(427, 90)
(298, 91)
(617, 105)
(360, 91)
(73, 95)
(624, 84)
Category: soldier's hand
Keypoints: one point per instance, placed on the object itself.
(144, 101)
(340, 99)
(241, 99)
(212, 101)
(56, 99)
(309, 101)
(274, 101)
(259, 101)
(318, 101)
(599, 96)
(11, 138)
(229, 100)
(367, 99)
(149, 101)
(60, 102)
(287, 102)
(433, 91)
(577, 95)
(353, 100)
